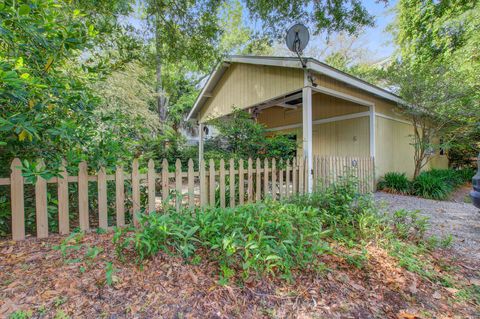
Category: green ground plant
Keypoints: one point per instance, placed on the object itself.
(281, 238)
(396, 182)
(434, 184)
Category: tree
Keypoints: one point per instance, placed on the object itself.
(323, 15)
(439, 73)
(46, 73)
(191, 30)
(440, 106)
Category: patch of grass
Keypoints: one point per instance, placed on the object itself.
(470, 293)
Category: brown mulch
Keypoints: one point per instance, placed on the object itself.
(34, 277)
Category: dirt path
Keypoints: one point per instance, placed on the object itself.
(461, 220)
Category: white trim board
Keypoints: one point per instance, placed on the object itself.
(336, 119)
(322, 121)
(393, 118)
(341, 95)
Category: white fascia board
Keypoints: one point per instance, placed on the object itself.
(268, 61)
(343, 77)
(208, 87)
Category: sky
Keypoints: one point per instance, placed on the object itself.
(376, 41)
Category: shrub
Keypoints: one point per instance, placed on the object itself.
(256, 239)
(448, 176)
(259, 238)
(396, 182)
(432, 186)
(466, 174)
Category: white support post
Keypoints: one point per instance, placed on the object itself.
(201, 137)
(372, 130)
(307, 134)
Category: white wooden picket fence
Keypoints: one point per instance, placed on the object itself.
(206, 187)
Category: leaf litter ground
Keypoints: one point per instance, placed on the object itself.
(38, 280)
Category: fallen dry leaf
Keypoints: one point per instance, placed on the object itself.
(407, 315)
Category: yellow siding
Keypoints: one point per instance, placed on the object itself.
(244, 85)
(394, 152)
(381, 105)
(323, 106)
(341, 138)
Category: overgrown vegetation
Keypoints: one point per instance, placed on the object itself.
(434, 184)
(277, 238)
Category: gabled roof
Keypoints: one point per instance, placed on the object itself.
(289, 62)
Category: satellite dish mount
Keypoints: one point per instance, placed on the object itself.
(297, 39)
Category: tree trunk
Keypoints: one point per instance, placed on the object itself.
(161, 99)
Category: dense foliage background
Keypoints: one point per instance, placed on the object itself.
(109, 81)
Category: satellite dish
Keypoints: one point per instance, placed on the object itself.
(297, 38)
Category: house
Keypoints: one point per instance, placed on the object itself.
(328, 111)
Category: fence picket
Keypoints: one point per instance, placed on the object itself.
(222, 183)
(17, 200)
(232, 182)
(203, 183)
(212, 182)
(102, 199)
(258, 180)
(372, 173)
(62, 193)
(135, 192)
(287, 179)
(241, 182)
(274, 179)
(266, 190)
(41, 205)
(280, 180)
(83, 196)
(178, 184)
(250, 181)
(120, 196)
(191, 183)
(151, 176)
(165, 182)
(294, 176)
(301, 175)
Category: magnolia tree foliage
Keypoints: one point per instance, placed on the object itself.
(45, 107)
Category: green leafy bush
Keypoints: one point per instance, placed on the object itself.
(257, 239)
(466, 174)
(431, 186)
(241, 137)
(435, 184)
(396, 182)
